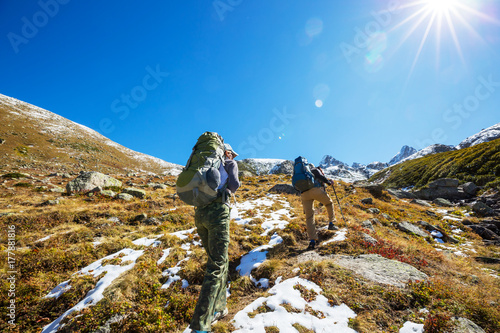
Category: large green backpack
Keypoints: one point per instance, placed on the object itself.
(200, 181)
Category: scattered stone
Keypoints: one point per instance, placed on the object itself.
(442, 202)
(444, 182)
(245, 174)
(50, 203)
(376, 221)
(107, 328)
(411, 229)
(108, 193)
(367, 225)
(488, 260)
(421, 202)
(284, 188)
(386, 216)
(367, 201)
(160, 187)
(6, 214)
(55, 174)
(124, 196)
(2, 141)
(484, 232)
(374, 210)
(464, 325)
(376, 190)
(482, 209)
(114, 219)
(141, 194)
(369, 239)
(376, 268)
(87, 181)
(57, 189)
(446, 188)
(140, 217)
(152, 221)
(445, 238)
(431, 213)
(66, 175)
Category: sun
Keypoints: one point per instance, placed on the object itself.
(434, 17)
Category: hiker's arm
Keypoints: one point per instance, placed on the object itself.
(320, 176)
(232, 171)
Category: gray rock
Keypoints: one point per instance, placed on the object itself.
(151, 221)
(140, 217)
(470, 188)
(160, 186)
(284, 188)
(376, 190)
(386, 216)
(379, 269)
(447, 192)
(411, 229)
(446, 238)
(421, 202)
(106, 328)
(376, 221)
(57, 189)
(50, 203)
(444, 182)
(87, 181)
(482, 209)
(442, 202)
(369, 239)
(108, 193)
(2, 141)
(373, 210)
(124, 196)
(138, 193)
(367, 201)
(367, 225)
(464, 325)
(400, 194)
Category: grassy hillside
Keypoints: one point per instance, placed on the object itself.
(55, 241)
(479, 164)
(31, 137)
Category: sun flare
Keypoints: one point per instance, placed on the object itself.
(441, 6)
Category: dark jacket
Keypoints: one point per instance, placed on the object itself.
(319, 178)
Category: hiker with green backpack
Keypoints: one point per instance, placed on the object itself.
(310, 182)
(207, 182)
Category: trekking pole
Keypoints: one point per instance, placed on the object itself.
(340, 207)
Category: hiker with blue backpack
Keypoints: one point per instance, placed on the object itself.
(311, 183)
(207, 182)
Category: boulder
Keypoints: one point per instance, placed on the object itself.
(138, 193)
(445, 237)
(140, 217)
(284, 188)
(400, 194)
(484, 232)
(373, 210)
(367, 225)
(245, 174)
(367, 201)
(463, 325)
(124, 196)
(442, 202)
(411, 229)
(87, 181)
(376, 190)
(108, 193)
(369, 239)
(470, 188)
(421, 202)
(376, 268)
(482, 209)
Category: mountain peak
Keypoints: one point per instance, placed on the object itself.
(405, 152)
(486, 135)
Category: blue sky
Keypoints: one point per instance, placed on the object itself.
(276, 79)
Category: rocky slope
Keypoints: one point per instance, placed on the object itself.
(31, 137)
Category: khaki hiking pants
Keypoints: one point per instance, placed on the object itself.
(308, 197)
(212, 222)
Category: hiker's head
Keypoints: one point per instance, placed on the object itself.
(229, 152)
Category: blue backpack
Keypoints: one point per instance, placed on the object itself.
(302, 178)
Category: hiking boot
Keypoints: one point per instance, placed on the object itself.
(312, 245)
(200, 331)
(219, 315)
(332, 226)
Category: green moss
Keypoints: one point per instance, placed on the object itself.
(23, 185)
(14, 175)
(479, 164)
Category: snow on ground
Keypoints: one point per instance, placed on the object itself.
(95, 295)
(314, 314)
(410, 327)
(339, 236)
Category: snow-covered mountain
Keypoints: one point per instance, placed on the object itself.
(336, 169)
(432, 149)
(487, 134)
(405, 152)
(33, 136)
(260, 166)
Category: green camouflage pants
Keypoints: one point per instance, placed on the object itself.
(212, 222)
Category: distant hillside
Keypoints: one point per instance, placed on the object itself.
(479, 164)
(31, 137)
